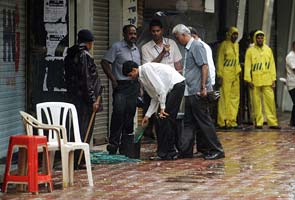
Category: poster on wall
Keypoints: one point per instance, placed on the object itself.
(56, 27)
(55, 34)
(55, 51)
(130, 12)
(55, 10)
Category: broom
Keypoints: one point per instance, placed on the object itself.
(88, 130)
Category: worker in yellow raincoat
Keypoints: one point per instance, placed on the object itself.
(228, 71)
(260, 73)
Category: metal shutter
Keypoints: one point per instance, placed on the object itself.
(101, 33)
(12, 69)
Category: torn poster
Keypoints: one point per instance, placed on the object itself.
(55, 33)
(55, 10)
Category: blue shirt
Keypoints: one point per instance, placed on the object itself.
(120, 53)
(195, 58)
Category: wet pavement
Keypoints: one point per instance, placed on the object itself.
(258, 165)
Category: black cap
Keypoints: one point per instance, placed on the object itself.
(85, 35)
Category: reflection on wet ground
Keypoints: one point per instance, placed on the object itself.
(258, 165)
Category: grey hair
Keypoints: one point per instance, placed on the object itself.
(181, 29)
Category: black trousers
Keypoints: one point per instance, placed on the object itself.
(166, 128)
(148, 132)
(198, 125)
(84, 111)
(124, 108)
(292, 94)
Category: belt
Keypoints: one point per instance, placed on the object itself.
(122, 82)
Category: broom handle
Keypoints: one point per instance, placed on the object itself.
(88, 130)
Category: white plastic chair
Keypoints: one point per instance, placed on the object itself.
(59, 131)
(57, 113)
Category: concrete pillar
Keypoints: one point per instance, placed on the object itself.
(72, 14)
(84, 14)
(267, 18)
(115, 20)
(255, 14)
(285, 34)
(232, 13)
(83, 11)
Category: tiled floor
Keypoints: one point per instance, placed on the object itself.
(259, 164)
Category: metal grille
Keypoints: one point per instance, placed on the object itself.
(101, 33)
(12, 70)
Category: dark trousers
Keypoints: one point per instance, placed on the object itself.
(148, 132)
(198, 124)
(166, 128)
(84, 112)
(292, 94)
(124, 108)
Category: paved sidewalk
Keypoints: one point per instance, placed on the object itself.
(258, 165)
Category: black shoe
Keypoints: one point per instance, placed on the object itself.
(238, 127)
(258, 127)
(214, 156)
(223, 128)
(198, 155)
(174, 157)
(157, 158)
(182, 156)
(275, 127)
(112, 149)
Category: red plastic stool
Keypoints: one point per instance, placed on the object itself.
(32, 177)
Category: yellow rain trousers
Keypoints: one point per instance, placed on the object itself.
(229, 70)
(260, 71)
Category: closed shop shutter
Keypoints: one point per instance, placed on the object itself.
(12, 69)
(101, 33)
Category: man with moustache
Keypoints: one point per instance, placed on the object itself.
(228, 72)
(125, 90)
(260, 74)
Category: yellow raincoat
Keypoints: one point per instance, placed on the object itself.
(228, 68)
(260, 70)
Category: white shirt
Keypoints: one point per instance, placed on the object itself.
(210, 61)
(290, 66)
(151, 50)
(158, 80)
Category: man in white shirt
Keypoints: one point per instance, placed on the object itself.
(211, 65)
(165, 86)
(160, 50)
(290, 67)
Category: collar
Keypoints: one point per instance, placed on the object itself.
(139, 73)
(126, 45)
(83, 46)
(164, 41)
(188, 45)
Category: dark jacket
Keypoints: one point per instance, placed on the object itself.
(81, 75)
